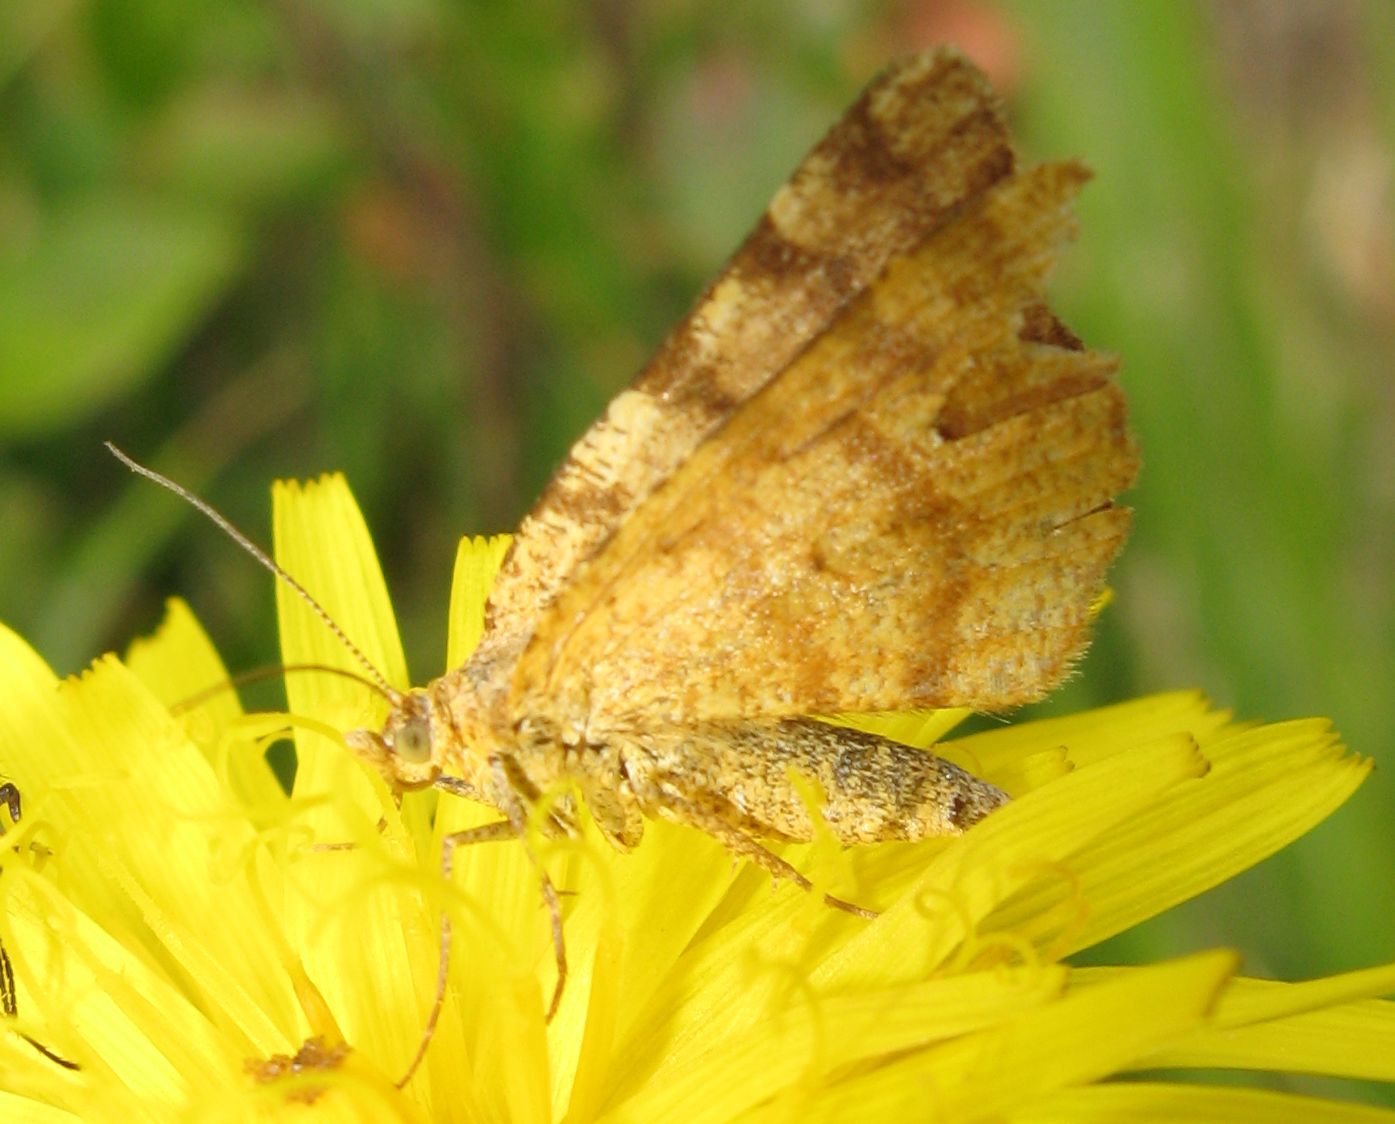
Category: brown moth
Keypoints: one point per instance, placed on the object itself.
(869, 471)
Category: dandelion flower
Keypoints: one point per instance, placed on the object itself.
(190, 941)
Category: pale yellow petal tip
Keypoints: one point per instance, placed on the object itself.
(327, 485)
(477, 561)
(178, 661)
(322, 541)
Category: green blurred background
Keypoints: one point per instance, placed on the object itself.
(424, 242)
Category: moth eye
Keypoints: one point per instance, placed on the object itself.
(413, 741)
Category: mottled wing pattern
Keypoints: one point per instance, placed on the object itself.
(924, 137)
(917, 511)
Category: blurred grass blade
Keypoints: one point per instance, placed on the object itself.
(106, 292)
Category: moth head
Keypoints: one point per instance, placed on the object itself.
(405, 750)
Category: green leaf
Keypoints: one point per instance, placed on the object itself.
(108, 290)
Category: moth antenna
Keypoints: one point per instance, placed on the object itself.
(379, 680)
(257, 674)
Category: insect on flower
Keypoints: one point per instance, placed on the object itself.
(869, 471)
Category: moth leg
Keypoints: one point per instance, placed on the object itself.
(507, 781)
(486, 833)
(514, 827)
(698, 814)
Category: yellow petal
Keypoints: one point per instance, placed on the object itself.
(808, 1040)
(122, 805)
(1325, 1026)
(920, 728)
(1181, 1104)
(1084, 1037)
(1266, 786)
(177, 664)
(477, 560)
(1017, 847)
(363, 930)
(1093, 735)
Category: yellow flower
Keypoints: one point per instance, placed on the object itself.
(180, 928)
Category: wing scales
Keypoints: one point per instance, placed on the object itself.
(916, 512)
(923, 138)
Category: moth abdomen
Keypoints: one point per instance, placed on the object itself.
(871, 788)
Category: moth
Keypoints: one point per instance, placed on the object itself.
(871, 470)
